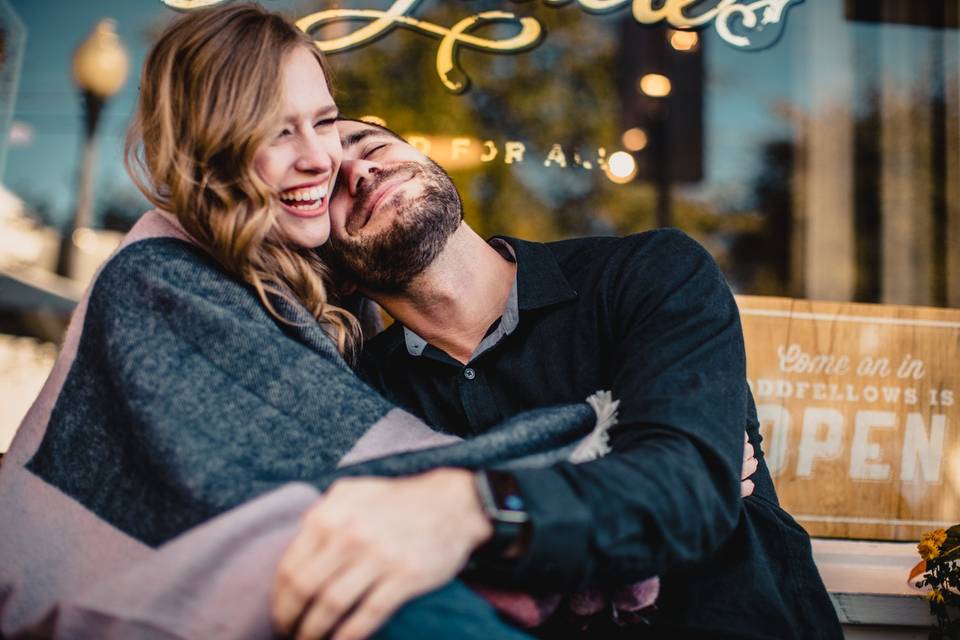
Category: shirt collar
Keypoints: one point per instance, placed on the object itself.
(540, 281)
(415, 344)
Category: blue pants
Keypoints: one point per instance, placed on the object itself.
(453, 611)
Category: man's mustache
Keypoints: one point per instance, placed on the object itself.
(369, 187)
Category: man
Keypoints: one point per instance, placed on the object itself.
(485, 330)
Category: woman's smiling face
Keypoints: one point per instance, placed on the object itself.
(302, 158)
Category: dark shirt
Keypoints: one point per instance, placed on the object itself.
(651, 318)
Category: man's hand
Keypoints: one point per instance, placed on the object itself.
(750, 465)
(370, 545)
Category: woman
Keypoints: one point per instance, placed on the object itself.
(207, 366)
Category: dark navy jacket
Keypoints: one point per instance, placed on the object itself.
(650, 317)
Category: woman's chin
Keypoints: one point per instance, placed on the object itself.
(308, 233)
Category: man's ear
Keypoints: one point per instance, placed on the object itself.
(347, 287)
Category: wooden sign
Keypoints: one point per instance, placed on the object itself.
(859, 407)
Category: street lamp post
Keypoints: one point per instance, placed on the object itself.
(100, 67)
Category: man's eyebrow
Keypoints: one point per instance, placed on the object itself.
(357, 136)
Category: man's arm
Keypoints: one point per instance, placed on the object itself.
(370, 545)
(667, 495)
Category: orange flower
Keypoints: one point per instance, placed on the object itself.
(928, 550)
(930, 542)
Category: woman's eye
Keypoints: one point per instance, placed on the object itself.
(324, 123)
(284, 133)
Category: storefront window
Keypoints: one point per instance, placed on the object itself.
(815, 154)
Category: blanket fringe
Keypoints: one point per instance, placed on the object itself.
(597, 443)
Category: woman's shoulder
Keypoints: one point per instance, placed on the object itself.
(157, 258)
(155, 239)
(159, 273)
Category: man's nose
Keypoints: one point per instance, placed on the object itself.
(358, 171)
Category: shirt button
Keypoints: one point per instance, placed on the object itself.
(469, 373)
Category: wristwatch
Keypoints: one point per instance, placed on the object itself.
(503, 503)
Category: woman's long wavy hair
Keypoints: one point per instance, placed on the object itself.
(210, 96)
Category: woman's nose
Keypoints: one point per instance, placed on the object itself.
(315, 156)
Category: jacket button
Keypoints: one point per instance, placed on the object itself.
(469, 373)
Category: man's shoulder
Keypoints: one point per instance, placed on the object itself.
(659, 253)
(652, 243)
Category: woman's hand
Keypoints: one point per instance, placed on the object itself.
(370, 545)
(750, 465)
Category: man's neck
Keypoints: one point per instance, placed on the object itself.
(456, 299)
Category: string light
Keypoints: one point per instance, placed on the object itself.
(655, 85)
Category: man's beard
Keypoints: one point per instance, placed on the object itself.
(389, 260)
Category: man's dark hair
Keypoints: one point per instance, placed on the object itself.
(375, 125)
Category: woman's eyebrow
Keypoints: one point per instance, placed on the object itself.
(329, 112)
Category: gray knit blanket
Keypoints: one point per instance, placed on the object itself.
(180, 437)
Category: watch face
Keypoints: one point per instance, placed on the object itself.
(513, 502)
(507, 497)
(504, 505)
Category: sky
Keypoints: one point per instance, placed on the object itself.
(742, 93)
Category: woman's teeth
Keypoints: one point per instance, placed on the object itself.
(304, 199)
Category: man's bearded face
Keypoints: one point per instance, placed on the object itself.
(392, 212)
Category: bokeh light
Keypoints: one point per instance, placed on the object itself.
(634, 139)
(684, 40)
(655, 85)
(621, 167)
